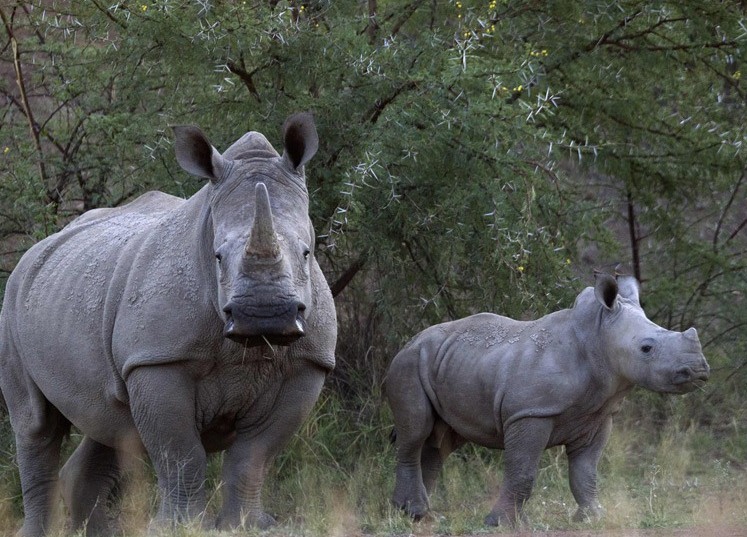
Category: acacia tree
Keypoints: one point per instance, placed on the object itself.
(472, 154)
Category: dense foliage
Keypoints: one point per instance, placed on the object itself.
(474, 155)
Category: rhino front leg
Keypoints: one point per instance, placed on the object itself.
(162, 399)
(524, 441)
(582, 474)
(259, 439)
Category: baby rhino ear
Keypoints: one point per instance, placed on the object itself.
(195, 154)
(605, 289)
(629, 288)
(300, 140)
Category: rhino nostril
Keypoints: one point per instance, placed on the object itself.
(301, 307)
(684, 373)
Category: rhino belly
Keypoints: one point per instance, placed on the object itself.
(467, 406)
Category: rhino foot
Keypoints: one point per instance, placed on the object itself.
(589, 513)
(503, 518)
(262, 521)
(414, 509)
(252, 519)
(497, 519)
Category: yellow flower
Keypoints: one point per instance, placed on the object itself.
(6, 150)
(519, 87)
(737, 75)
(143, 8)
(520, 268)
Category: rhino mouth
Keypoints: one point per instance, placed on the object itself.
(688, 379)
(254, 330)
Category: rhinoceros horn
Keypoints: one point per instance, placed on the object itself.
(262, 241)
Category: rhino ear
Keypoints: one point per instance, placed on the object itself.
(629, 288)
(195, 154)
(299, 139)
(605, 289)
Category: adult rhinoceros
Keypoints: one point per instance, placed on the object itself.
(526, 386)
(155, 324)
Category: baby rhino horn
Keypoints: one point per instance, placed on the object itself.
(262, 241)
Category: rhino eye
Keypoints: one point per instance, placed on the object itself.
(646, 348)
(306, 253)
(218, 257)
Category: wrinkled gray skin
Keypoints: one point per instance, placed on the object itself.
(150, 326)
(526, 386)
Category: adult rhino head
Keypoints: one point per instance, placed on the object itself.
(262, 236)
(638, 350)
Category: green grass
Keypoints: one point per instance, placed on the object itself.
(336, 477)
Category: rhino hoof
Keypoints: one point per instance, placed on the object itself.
(500, 519)
(589, 514)
(264, 521)
(415, 510)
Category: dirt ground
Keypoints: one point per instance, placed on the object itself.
(704, 531)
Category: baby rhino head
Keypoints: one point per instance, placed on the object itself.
(640, 351)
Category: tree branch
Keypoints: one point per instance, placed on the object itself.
(373, 26)
(373, 113)
(33, 125)
(408, 12)
(721, 219)
(108, 14)
(245, 76)
(347, 276)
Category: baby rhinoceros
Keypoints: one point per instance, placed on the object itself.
(526, 386)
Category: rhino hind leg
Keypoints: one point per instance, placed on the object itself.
(414, 419)
(442, 442)
(89, 480)
(38, 456)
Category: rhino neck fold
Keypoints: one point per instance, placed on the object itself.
(203, 235)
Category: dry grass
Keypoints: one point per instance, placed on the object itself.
(336, 477)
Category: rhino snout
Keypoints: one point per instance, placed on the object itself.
(257, 325)
(688, 378)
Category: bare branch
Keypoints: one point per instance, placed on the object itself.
(347, 276)
(246, 76)
(373, 113)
